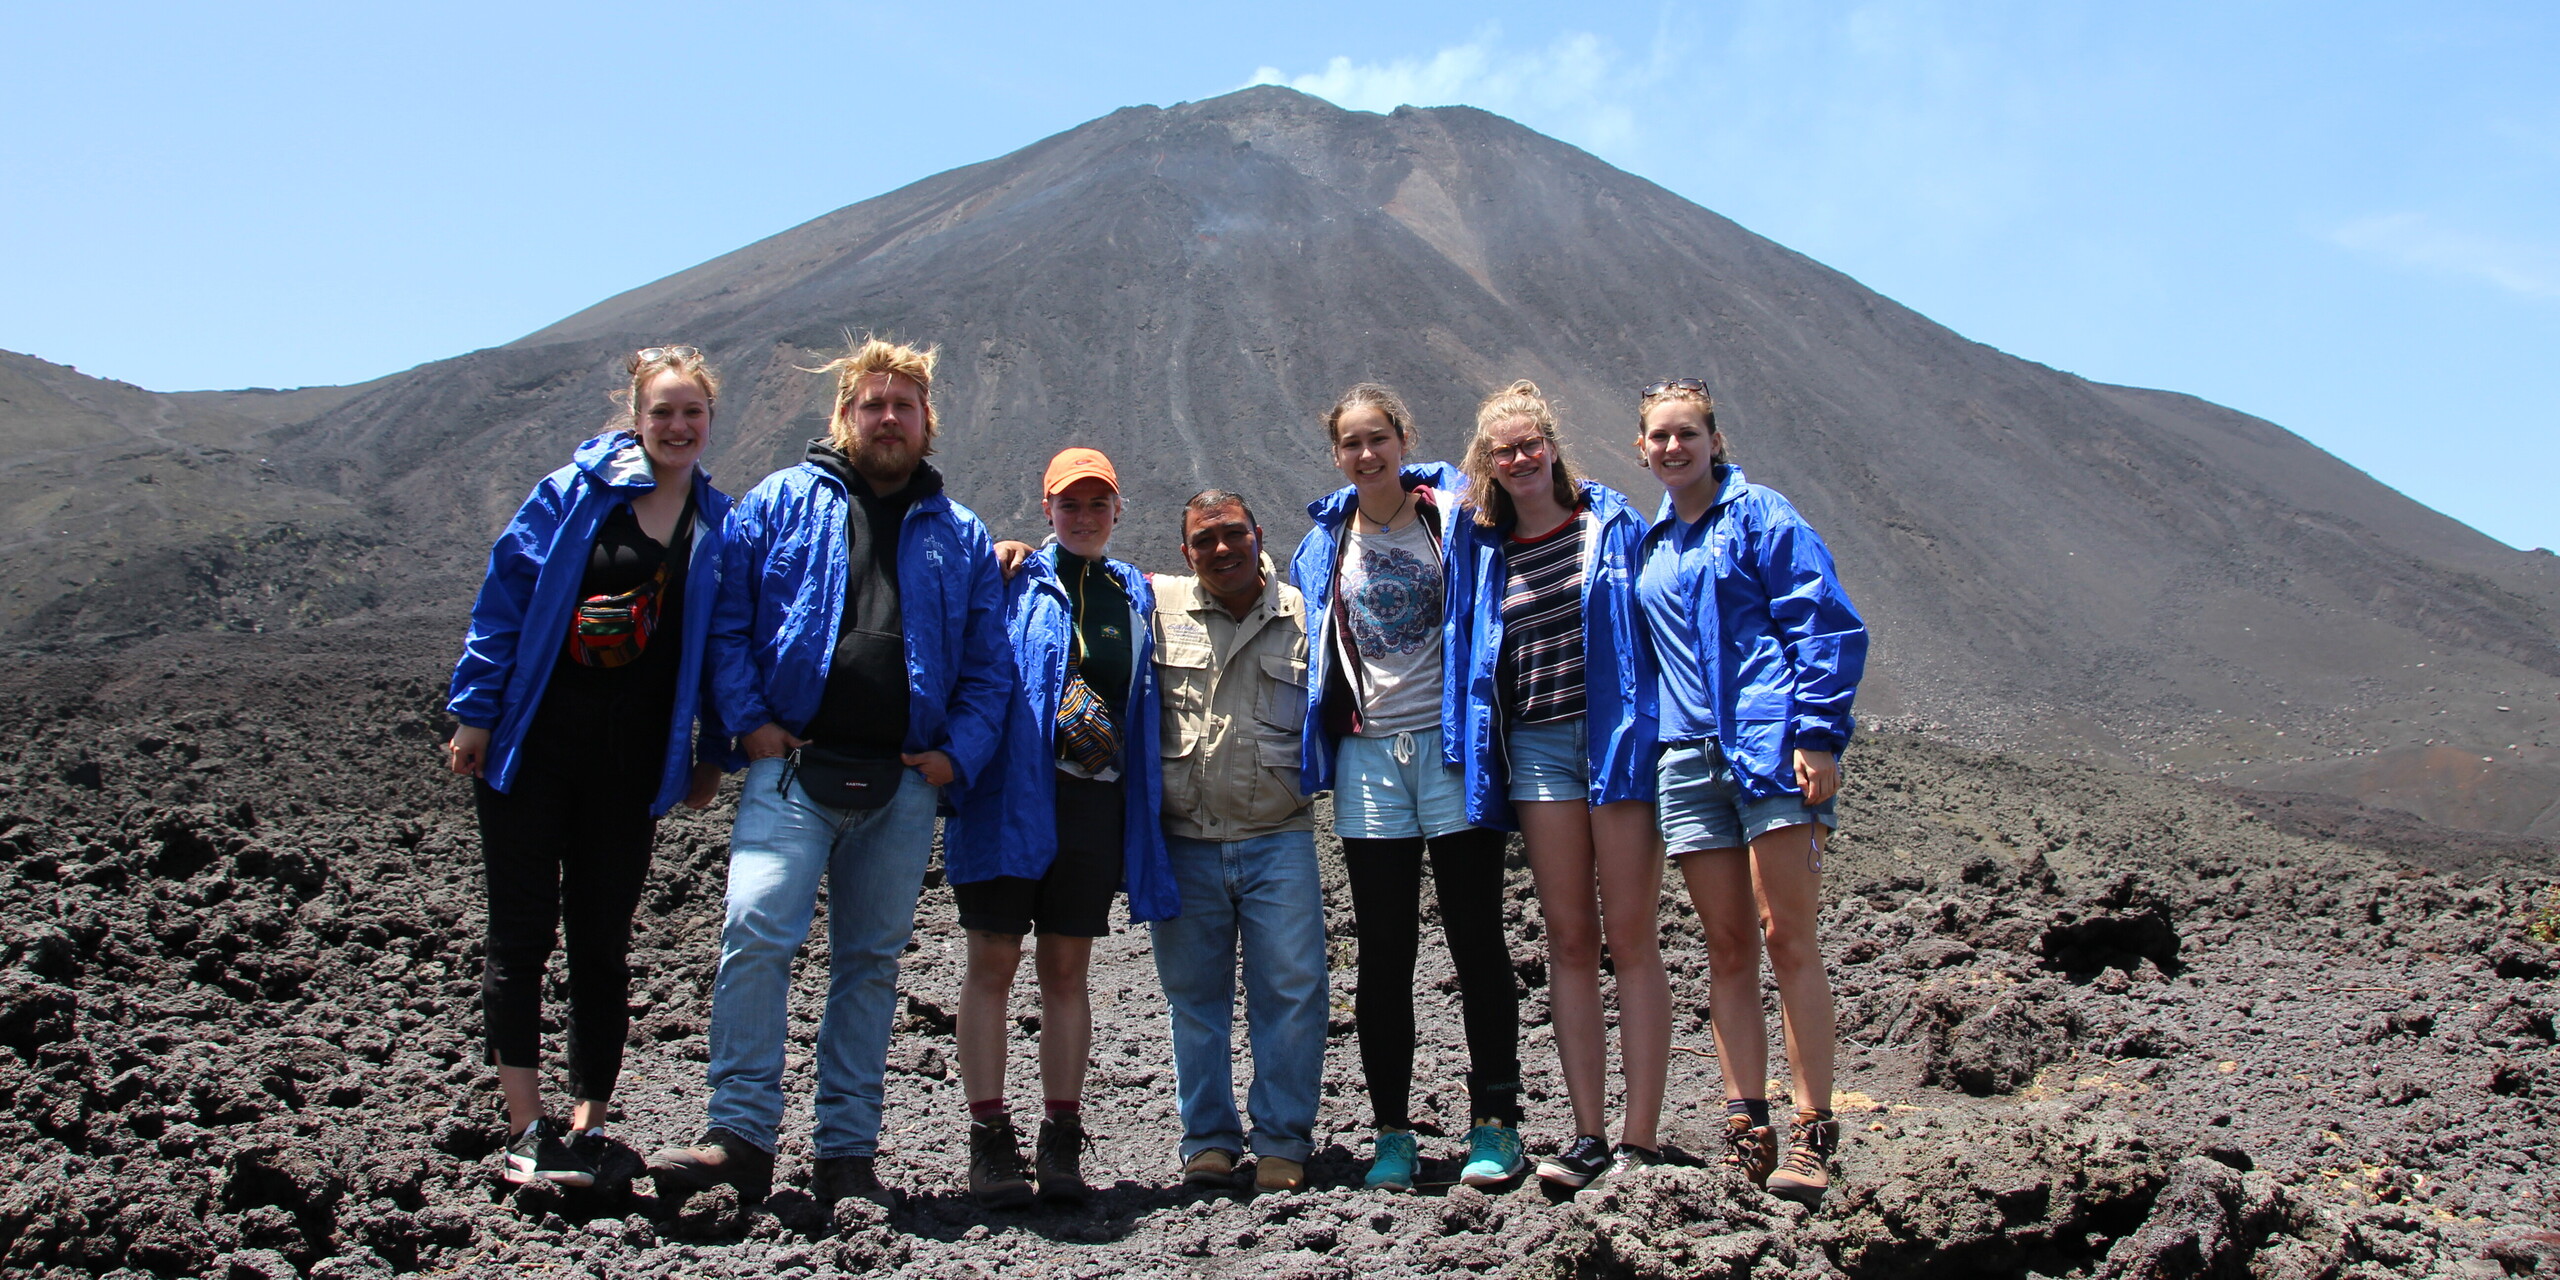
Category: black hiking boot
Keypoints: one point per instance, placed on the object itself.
(995, 1165)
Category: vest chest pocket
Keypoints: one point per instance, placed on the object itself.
(1183, 673)
(1281, 701)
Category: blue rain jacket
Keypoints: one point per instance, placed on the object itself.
(1315, 570)
(1788, 646)
(521, 617)
(782, 585)
(1618, 673)
(1008, 825)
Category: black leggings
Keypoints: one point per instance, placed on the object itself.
(1386, 911)
(568, 846)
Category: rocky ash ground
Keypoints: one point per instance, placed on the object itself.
(2095, 1024)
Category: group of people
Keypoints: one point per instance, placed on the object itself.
(1466, 651)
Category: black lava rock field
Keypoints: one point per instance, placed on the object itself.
(2095, 1024)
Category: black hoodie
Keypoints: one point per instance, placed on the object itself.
(864, 706)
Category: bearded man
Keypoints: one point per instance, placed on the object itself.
(858, 653)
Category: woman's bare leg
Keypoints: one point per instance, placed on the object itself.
(1789, 889)
(1629, 856)
(1558, 833)
(1066, 1014)
(985, 994)
(1720, 887)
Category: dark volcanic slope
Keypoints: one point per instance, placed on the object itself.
(2095, 1025)
(2046, 561)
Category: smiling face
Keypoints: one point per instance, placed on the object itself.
(890, 427)
(1224, 548)
(1083, 515)
(674, 418)
(1524, 461)
(1678, 445)
(1367, 447)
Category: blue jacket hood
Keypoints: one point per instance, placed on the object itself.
(1007, 825)
(522, 612)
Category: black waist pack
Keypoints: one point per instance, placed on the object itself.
(840, 779)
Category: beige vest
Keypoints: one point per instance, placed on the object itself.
(1235, 698)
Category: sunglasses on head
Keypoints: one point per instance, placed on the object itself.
(1676, 384)
(646, 356)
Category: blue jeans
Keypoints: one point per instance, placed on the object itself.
(1265, 893)
(873, 861)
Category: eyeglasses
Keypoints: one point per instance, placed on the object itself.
(1503, 455)
(646, 356)
(1676, 384)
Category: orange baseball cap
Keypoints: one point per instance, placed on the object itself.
(1072, 465)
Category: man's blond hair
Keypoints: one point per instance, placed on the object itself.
(874, 355)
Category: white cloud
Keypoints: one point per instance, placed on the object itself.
(2416, 240)
(1578, 88)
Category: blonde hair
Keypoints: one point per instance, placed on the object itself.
(684, 362)
(873, 355)
(1706, 403)
(1378, 396)
(1520, 401)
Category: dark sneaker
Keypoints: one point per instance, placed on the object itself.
(721, 1157)
(1581, 1160)
(1751, 1150)
(539, 1155)
(614, 1163)
(1625, 1159)
(995, 1165)
(1811, 1143)
(1058, 1160)
(835, 1178)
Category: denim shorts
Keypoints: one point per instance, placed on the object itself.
(1550, 761)
(1701, 807)
(1396, 788)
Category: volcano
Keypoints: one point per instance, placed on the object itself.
(2048, 563)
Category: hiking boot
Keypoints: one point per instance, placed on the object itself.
(1494, 1155)
(1811, 1143)
(538, 1155)
(1057, 1159)
(1581, 1160)
(1626, 1158)
(1277, 1173)
(721, 1157)
(1750, 1149)
(834, 1178)
(996, 1176)
(1210, 1169)
(1396, 1163)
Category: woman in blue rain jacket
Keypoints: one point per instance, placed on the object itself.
(578, 690)
(1760, 653)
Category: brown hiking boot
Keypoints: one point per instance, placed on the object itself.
(1057, 1159)
(1750, 1149)
(1211, 1169)
(1811, 1144)
(995, 1165)
(720, 1157)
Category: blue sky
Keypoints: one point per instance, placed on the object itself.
(2342, 217)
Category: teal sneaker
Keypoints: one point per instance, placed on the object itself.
(1494, 1156)
(1396, 1164)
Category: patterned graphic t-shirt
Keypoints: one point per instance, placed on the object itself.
(1391, 588)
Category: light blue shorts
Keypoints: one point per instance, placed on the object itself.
(1550, 761)
(1396, 788)
(1700, 806)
